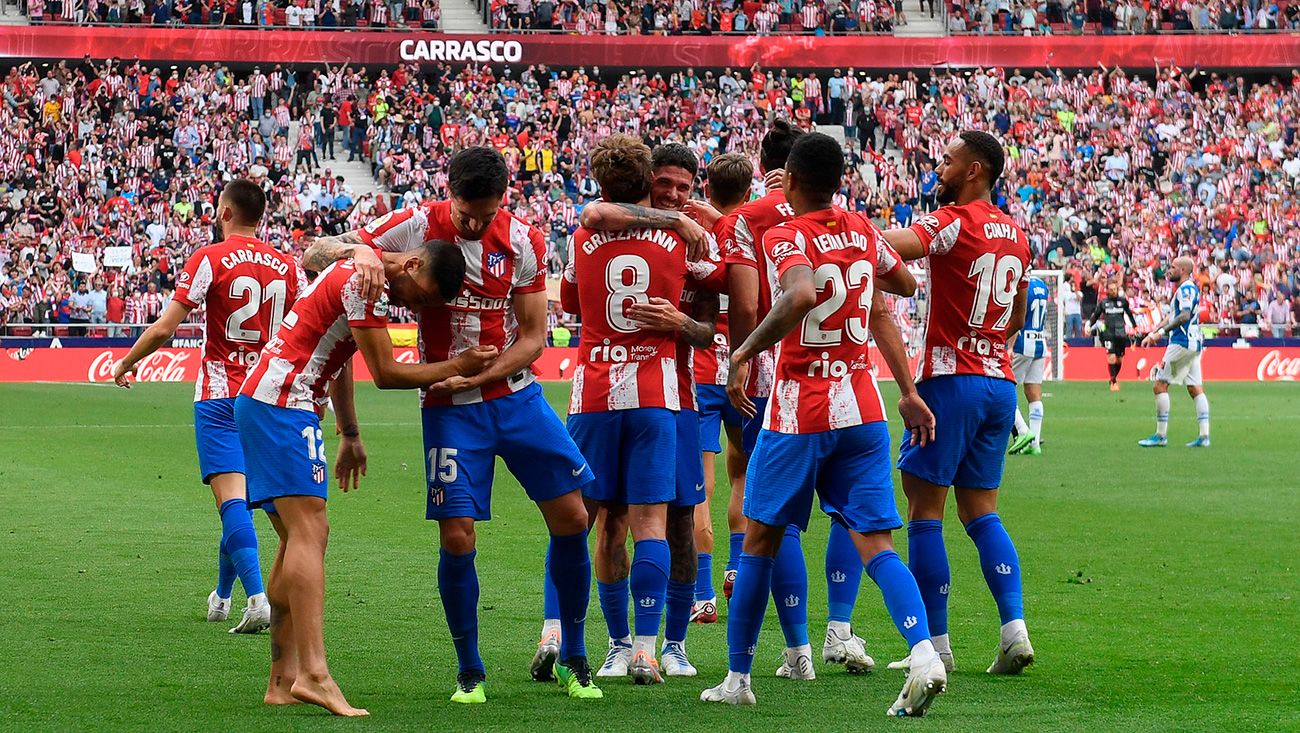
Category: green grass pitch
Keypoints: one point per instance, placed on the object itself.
(1160, 585)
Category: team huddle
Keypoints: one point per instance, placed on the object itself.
(753, 319)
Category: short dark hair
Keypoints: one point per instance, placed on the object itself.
(817, 163)
(621, 165)
(987, 150)
(246, 199)
(444, 263)
(675, 154)
(730, 175)
(478, 173)
(775, 147)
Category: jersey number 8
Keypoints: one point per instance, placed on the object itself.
(621, 293)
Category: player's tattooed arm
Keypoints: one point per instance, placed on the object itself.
(659, 314)
(612, 217)
(916, 415)
(1168, 326)
(328, 250)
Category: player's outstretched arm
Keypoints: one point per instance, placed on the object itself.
(899, 282)
(917, 418)
(906, 243)
(530, 339)
(351, 463)
(377, 349)
(611, 217)
(327, 250)
(157, 334)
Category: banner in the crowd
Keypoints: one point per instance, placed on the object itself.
(117, 257)
(83, 262)
(1239, 51)
(181, 365)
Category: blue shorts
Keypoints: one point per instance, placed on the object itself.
(217, 438)
(751, 428)
(715, 411)
(847, 468)
(633, 453)
(284, 451)
(462, 442)
(973, 416)
(690, 462)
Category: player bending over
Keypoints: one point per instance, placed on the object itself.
(978, 261)
(247, 287)
(824, 428)
(1111, 312)
(276, 412)
(692, 320)
(469, 421)
(1028, 360)
(625, 397)
(1182, 361)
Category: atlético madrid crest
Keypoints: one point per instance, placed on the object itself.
(318, 473)
(496, 263)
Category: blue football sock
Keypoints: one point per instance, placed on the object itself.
(1000, 563)
(239, 540)
(458, 587)
(790, 588)
(677, 610)
(843, 574)
(613, 604)
(735, 545)
(704, 578)
(649, 583)
(569, 568)
(745, 612)
(927, 557)
(226, 574)
(550, 597)
(902, 598)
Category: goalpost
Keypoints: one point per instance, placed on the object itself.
(910, 316)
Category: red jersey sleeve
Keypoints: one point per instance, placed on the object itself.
(887, 260)
(530, 270)
(736, 241)
(569, 288)
(193, 282)
(397, 231)
(359, 312)
(938, 230)
(784, 246)
(709, 273)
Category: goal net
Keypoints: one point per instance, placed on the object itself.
(909, 313)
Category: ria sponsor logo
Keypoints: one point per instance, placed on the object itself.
(977, 344)
(481, 51)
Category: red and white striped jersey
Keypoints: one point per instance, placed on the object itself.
(622, 366)
(824, 379)
(979, 259)
(509, 260)
(315, 340)
(247, 287)
(741, 239)
(711, 365)
(709, 274)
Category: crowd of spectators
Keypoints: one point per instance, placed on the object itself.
(1107, 17)
(706, 17)
(281, 14)
(1110, 174)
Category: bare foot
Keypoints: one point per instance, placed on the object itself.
(324, 692)
(280, 694)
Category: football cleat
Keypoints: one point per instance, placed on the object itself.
(675, 662)
(1114, 386)
(849, 651)
(1013, 657)
(1201, 442)
(218, 607)
(257, 616)
(1032, 450)
(728, 583)
(797, 664)
(705, 612)
(617, 659)
(471, 688)
(548, 651)
(1021, 442)
(574, 675)
(906, 663)
(1155, 441)
(645, 669)
(920, 689)
(739, 694)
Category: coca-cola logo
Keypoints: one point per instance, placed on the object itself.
(406, 356)
(165, 365)
(1276, 368)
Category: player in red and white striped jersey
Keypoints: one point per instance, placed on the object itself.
(246, 286)
(470, 421)
(276, 412)
(824, 432)
(979, 260)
